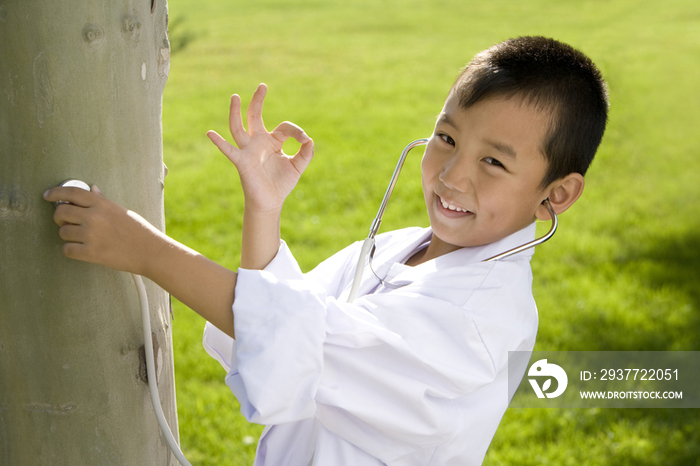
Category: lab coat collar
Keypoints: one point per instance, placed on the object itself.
(480, 253)
(394, 270)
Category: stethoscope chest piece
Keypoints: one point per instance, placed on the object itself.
(71, 184)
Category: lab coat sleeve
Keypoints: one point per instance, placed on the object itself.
(383, 372)
(221, 346)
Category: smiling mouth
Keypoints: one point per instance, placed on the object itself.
(451, 210)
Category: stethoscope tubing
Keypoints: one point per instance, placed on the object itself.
(368, 245)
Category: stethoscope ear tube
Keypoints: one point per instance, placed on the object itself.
(367, 246)
(533, 243)
(378, 219)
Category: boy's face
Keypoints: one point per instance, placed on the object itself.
(482, 171)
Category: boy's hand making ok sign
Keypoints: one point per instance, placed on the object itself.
(267, 174)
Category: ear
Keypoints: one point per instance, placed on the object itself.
(562, 194)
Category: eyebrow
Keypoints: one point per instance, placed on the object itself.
(502, 147)
(445, 118)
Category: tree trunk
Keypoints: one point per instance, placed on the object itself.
(81, 86)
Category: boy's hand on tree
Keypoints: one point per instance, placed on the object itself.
(101, 231)
(267, 174)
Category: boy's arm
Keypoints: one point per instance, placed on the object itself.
(100, 231)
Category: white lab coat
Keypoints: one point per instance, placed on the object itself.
(412, 376)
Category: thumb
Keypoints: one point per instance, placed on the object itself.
(303, 157)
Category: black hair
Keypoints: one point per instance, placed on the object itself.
(553, 77)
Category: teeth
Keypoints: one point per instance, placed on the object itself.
(451, 207)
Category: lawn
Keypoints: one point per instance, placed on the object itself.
(364, 78)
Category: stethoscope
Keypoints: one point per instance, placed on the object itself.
(369, 246)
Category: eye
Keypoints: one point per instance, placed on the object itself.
(494, 162)
(447, 139)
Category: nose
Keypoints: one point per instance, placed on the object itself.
(456, 173)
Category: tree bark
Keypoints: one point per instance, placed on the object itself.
(81, 86)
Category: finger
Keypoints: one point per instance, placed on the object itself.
(235, 122)
(69, 214)
(303, 157)
(76, 196)
(254, 114)
(74, 251)
(287, 130)
(228, 149)
(71, 233)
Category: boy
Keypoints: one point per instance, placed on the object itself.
(409, 376)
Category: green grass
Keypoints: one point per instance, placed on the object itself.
(364, 78)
